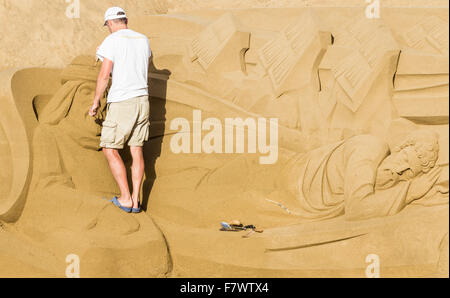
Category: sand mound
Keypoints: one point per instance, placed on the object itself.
(342, 97)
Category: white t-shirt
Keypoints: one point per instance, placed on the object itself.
(130, 53)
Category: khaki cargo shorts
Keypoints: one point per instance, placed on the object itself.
(126, 121)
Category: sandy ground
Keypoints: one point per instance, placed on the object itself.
(190, 195)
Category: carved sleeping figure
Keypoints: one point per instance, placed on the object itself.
(361, 179)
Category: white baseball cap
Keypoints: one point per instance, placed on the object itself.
(114, 13)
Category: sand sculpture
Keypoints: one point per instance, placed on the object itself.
(297, 46)
(362, 57)
(63, 138)
(356, 177)
(221, 46)
(421, 81)
(362, 167)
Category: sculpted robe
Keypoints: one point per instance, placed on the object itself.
(340, 178)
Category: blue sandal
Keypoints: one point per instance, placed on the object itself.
(136, 210)
(116, 202)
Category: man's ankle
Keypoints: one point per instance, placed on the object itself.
(126, 198)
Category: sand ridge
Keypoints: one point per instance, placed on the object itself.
(342, 88)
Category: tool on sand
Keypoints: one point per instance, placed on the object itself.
(237, 226)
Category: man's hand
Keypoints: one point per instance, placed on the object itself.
(421, 185)
(94, 109)
(102, 83)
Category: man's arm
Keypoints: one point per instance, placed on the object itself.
(377, 203)
(102, 83)
(364, 155)
(363, 200)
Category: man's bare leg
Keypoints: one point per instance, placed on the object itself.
(137, 173)
(120, 174)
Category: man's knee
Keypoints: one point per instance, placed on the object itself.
(110, 153)
(136, 151)
(137, 154)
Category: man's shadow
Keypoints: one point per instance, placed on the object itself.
(152, 149)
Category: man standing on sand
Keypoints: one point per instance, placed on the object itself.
(124, 53)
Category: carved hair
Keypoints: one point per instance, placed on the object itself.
(426, 144)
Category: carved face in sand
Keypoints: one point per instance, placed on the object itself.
(418, 154)
(68, 109)
(86, 129)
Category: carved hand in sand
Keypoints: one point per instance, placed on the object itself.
(422, 185)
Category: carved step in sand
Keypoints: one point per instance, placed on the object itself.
(421, 86)
(423, 110)
(430, 35)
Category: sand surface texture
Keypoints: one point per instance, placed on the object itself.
(324, 128)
